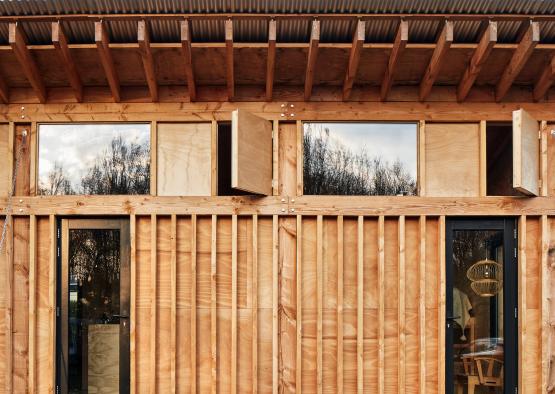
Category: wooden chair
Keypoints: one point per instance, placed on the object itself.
(490, 371)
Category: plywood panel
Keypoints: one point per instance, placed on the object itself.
(452, 152)
(526, 153)
(103, 358)
(183, 159)
(251, 157)
(551, 159)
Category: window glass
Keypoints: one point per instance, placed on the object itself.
(376, 159)
(94, 159)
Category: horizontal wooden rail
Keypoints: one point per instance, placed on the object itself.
(304, 205)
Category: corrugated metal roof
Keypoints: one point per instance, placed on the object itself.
(288, 30)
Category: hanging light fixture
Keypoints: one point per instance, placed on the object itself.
(486, 277)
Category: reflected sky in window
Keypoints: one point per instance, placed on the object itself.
(68, 153)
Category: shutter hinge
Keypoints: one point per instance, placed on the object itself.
(515, 253)
(514, 233)
(516, 313)
(57, 311)
(58, 251)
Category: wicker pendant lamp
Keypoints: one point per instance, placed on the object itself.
(486, 277)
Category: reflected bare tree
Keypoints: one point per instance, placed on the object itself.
(56, 183)
(122, 168)
(330, 168)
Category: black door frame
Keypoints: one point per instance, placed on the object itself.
(510, 295)
(62, 302)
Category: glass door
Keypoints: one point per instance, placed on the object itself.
(481, 314)
(93, 323)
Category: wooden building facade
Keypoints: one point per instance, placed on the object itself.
(277, 291)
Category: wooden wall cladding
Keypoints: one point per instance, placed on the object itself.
(261, 303)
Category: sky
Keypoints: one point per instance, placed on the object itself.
(75, 146)
(391, 141)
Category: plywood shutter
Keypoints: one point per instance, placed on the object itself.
(251, 161)
(526, 153)
(452, 159)
(183, 159)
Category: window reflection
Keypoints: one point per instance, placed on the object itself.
(94, 159)
(478, 330)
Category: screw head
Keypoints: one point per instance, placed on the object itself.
(282, 209)
(22, 108)
(292, 209)
(292, 200)
(22, 116)
(20, 200)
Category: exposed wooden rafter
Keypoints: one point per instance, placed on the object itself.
(545, 81)
(26, 61)
(311, 60)
(229, 59)
(143, 37)
(271, 63)
(442, 47)
(60, 42)
(481, 54)
(523, 52)
(399, 45)
(103, 45)
(188, 58)
(4, 91)
(354, 59)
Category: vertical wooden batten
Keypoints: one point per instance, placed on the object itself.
(299, 287)
(381, 305)
(32, 303)
(360, 305)
(522, 368)
(153, 158)
(354, 59)
(436, 62)
(188, 59)
(300, 158)
(399, 45)
(275, 301)
(230, 75)
(33, 159)
(319, 301)
(143, 38)
(421, 165)
(401, 290)
(133, 305)
(422, 306)
(173, 302)
(254, 367)
(9, 305)
(483, 159)
(153, 303)
(340, 279)
(193, 320)
(545, 318)
(213, 306)
(441, 307)
(234, 304)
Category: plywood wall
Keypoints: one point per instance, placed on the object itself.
(266, 304)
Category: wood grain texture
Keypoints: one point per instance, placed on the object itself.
(60, 42)
(184, 159)
(251, 146)
(401, 39)
(103, 358)
(526, 153)
(452, 154)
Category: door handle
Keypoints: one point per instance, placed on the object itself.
(452, 318)
(121, 316)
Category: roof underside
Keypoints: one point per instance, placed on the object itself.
(210, 60)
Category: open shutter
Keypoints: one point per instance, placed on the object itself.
(526, 153)
(251, 153)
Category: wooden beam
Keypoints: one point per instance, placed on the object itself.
(436, 62)
(354, 59)
(18, 44)
(311, 60)
(4, 91)
(271, 63)
(399, 45)
(103, 45)
(523, 52)
(188, 59)
(229, 59)
(60, 42)
(143, 37)
(545, 81)
(481, 54)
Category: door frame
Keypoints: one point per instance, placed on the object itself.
(510, 294)
(62, 305)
